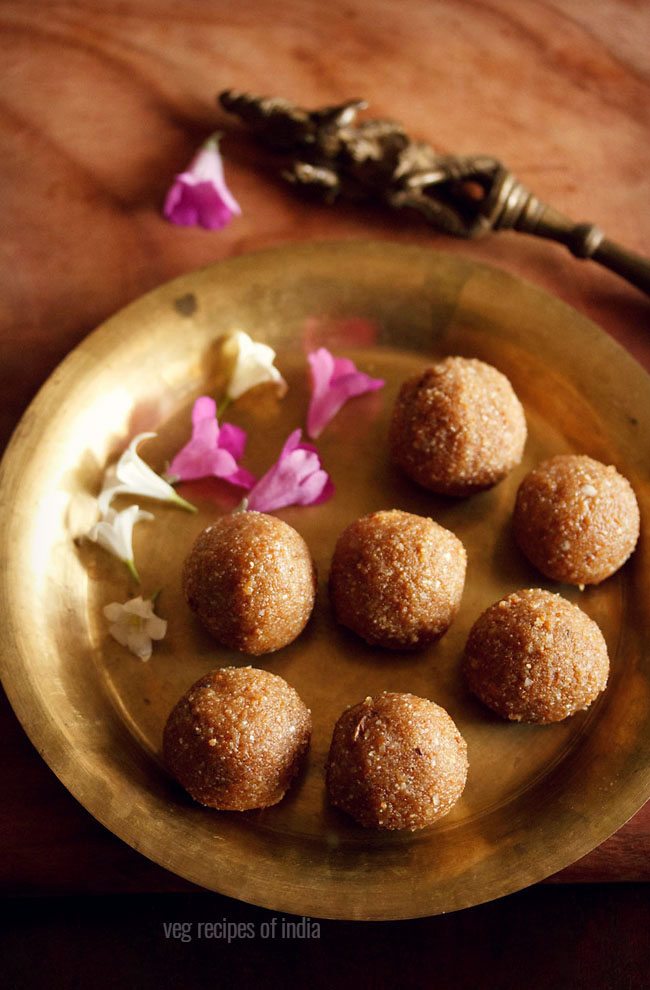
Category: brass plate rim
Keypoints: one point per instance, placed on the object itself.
(43, 732)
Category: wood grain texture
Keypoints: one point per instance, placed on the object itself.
(101, 103)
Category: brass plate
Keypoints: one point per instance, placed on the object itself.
(537, 797)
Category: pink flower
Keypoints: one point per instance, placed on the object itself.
(199, 196)
(213, 451)
(296, 478)
(334, 381)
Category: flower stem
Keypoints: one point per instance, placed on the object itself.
(223, 405)
(130, 566)
(183, 503)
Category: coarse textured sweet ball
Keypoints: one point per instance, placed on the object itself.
(236, 740)
(576, 519)
(396, 762)
(397, 579)
(458, 427)
(251, 580)
(535, 657)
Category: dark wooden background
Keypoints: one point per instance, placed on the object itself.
(102, 102)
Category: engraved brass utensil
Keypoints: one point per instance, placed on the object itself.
(332, 155)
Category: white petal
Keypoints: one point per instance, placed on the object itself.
(105, 534)
(115, 532)
(137, 440)
(253, 366)
(132, 476)
(140, 644)
(136, 625)
(121, 632)
(114, 612)
(109, 488)
(105, 498)
(156, 627)
(138, 478)
(137, 606)
(124, 523)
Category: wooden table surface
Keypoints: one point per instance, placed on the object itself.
(101, 102)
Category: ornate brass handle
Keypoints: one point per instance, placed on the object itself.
(511, 206)
(327, 152)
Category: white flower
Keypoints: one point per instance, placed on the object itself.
(254, 365)
(131, 476)
(115, 533)
(135, 625)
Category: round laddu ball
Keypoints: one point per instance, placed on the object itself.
(396, 762)
(397, 579)
(236, 740)
(576, 519)
(535, 657)
(458, 427)
(251, 580)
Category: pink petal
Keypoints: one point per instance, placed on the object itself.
(207, 166)
(334, 381)
(199, 196)
(206, 454)
(200, 205)
(205, 427)
(204, 408)
(233, 439)
(317, 488)
(194, 461)
(292, 443)
(241, 477)
(296, 478)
